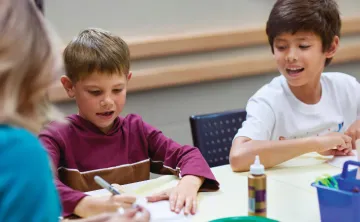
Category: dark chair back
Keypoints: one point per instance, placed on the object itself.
(213, 134)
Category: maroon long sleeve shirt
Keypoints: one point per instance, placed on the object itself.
(126, 154)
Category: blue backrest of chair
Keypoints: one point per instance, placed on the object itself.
(213, 134)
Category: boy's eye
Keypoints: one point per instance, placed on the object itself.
(117, 90)
(95, 92)
(280, 47)
(304, 46)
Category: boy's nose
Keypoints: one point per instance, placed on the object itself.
(107, 102)
(291, 56)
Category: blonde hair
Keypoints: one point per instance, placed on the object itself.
(96, 50)
(29, 62)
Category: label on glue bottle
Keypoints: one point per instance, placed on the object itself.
(251, 205)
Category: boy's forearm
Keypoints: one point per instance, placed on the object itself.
(271, 153)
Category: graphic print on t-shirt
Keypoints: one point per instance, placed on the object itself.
(335, 127)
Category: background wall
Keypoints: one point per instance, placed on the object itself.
(139, 18)
(169, 108)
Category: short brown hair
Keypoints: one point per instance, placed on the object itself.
(96, 50)
(318, 16)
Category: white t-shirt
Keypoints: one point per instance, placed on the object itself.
(274, 113)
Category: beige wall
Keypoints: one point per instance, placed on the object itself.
(169, 109)
(139, 18)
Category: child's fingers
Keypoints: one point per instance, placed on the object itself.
(340, 147)
(347, 138)
(157, 197)
(356, 138)
(163, 195)
(349, 133)
(345, 147)
(172, 199)
(180, 201)
(346, 144)
(194, 206)
(347, 152)
(338, 153)
(188, 205)
(130, 213)
(145, 215)
(350, 153)
(351, 144)
(327, 152)
(341, 153)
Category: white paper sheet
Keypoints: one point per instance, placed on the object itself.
(338, 161)
(159, 211)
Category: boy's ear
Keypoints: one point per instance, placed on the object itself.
(129, 76)
(333, 47)
(68, 86)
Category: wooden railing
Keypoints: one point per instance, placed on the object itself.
(206, 71)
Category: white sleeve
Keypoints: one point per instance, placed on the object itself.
(260, 120)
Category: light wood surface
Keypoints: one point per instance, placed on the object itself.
(290, 196)
(212, 40)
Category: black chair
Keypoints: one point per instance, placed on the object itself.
(213, 134)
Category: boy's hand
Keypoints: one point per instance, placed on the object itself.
(184, 195)
(354, 132)
(92, 205)
(336, 144)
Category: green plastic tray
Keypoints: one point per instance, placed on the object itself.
(244, 219)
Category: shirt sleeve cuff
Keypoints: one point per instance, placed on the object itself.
(70, 203)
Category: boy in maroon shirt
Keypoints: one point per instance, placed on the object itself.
(122, 150)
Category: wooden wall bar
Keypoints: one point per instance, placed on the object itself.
(208, 71)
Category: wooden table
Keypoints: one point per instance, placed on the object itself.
(290, 196)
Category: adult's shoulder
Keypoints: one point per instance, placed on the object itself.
(20, 146)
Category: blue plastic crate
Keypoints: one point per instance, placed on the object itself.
(343, 204)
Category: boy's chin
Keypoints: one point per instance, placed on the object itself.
(296, 82)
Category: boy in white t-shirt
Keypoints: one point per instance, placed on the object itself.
(303, 110)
